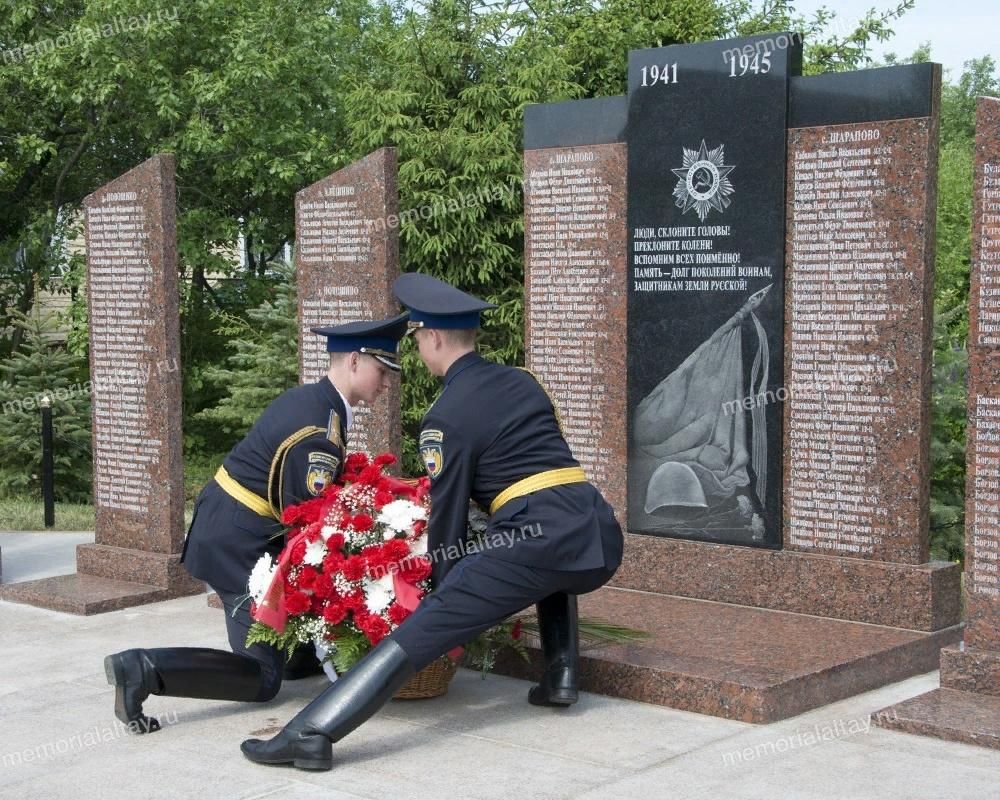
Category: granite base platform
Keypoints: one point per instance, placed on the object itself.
(737, 662)
(965, 709)
(107, 579)
(947, 714)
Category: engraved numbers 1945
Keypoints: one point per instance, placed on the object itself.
(741, 64)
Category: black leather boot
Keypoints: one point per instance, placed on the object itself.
(178, 672)
(557, 626)
(307, 741)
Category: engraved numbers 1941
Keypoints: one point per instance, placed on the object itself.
(656, 74)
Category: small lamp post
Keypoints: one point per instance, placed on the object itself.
(48, 495)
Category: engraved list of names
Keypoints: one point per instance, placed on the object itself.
(856, 337)
(983, 540)
(346, 259)
(121, 316)
(575, 303)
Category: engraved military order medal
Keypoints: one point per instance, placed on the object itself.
(703, 181)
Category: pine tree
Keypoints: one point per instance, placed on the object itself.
(38, 369)
(264, 361)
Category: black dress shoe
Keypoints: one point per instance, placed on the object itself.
(303, 750)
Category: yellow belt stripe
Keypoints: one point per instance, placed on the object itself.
(537, 482)
(243, 495)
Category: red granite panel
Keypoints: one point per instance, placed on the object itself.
(134, 321)
(859, 291)
(347, 256)
(575, 299)
(982, 537)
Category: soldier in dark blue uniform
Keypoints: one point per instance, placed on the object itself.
(292, 453)
(493, 435)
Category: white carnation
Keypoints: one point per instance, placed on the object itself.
(378, 593)
(327, 531)
(418, 547)
(315, 553)
(260, 577)
(399, 516)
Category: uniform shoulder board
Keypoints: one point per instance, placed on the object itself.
(333, 429)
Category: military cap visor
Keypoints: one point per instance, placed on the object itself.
(378, 338)
(436, 304)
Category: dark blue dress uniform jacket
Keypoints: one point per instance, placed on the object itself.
(226, 538)
(491, 426)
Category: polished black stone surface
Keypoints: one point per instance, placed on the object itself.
(706, 148)
(575, 122)
(868, 95)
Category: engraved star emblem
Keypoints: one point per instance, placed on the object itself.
(703, 181)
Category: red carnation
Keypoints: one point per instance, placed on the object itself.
(398, 613)
(334, 613)
(316, 606)
(372, 626)
(370, 475)
(375, 557)
(385, 459)
(333, 562)
(362, 523)
(297, 603)
(396, 550)
(355, 462)
(355, 601)
(354, 568)
(382, 499)
(304, 513)
(307, 578)
(323, 586)
(335, 542)
(298, 551)
(414, 570)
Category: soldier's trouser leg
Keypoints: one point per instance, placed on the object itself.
(246, 674)
(479, 592)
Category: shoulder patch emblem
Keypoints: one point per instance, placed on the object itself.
(431, 451)
(322, 472)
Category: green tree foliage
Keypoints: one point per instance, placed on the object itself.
(36, 370)
(263, 361)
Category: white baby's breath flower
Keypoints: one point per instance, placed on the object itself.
(260, 577)
(315, 553)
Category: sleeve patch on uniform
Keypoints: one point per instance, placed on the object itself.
(431, 451)
(321, 472)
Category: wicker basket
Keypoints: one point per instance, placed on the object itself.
(431, 681)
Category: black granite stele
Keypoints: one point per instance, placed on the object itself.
(706, 166)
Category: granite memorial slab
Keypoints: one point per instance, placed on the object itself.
(347, 256)
(135, 373)
(574, 251)
(706, 175)
(967, 706)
